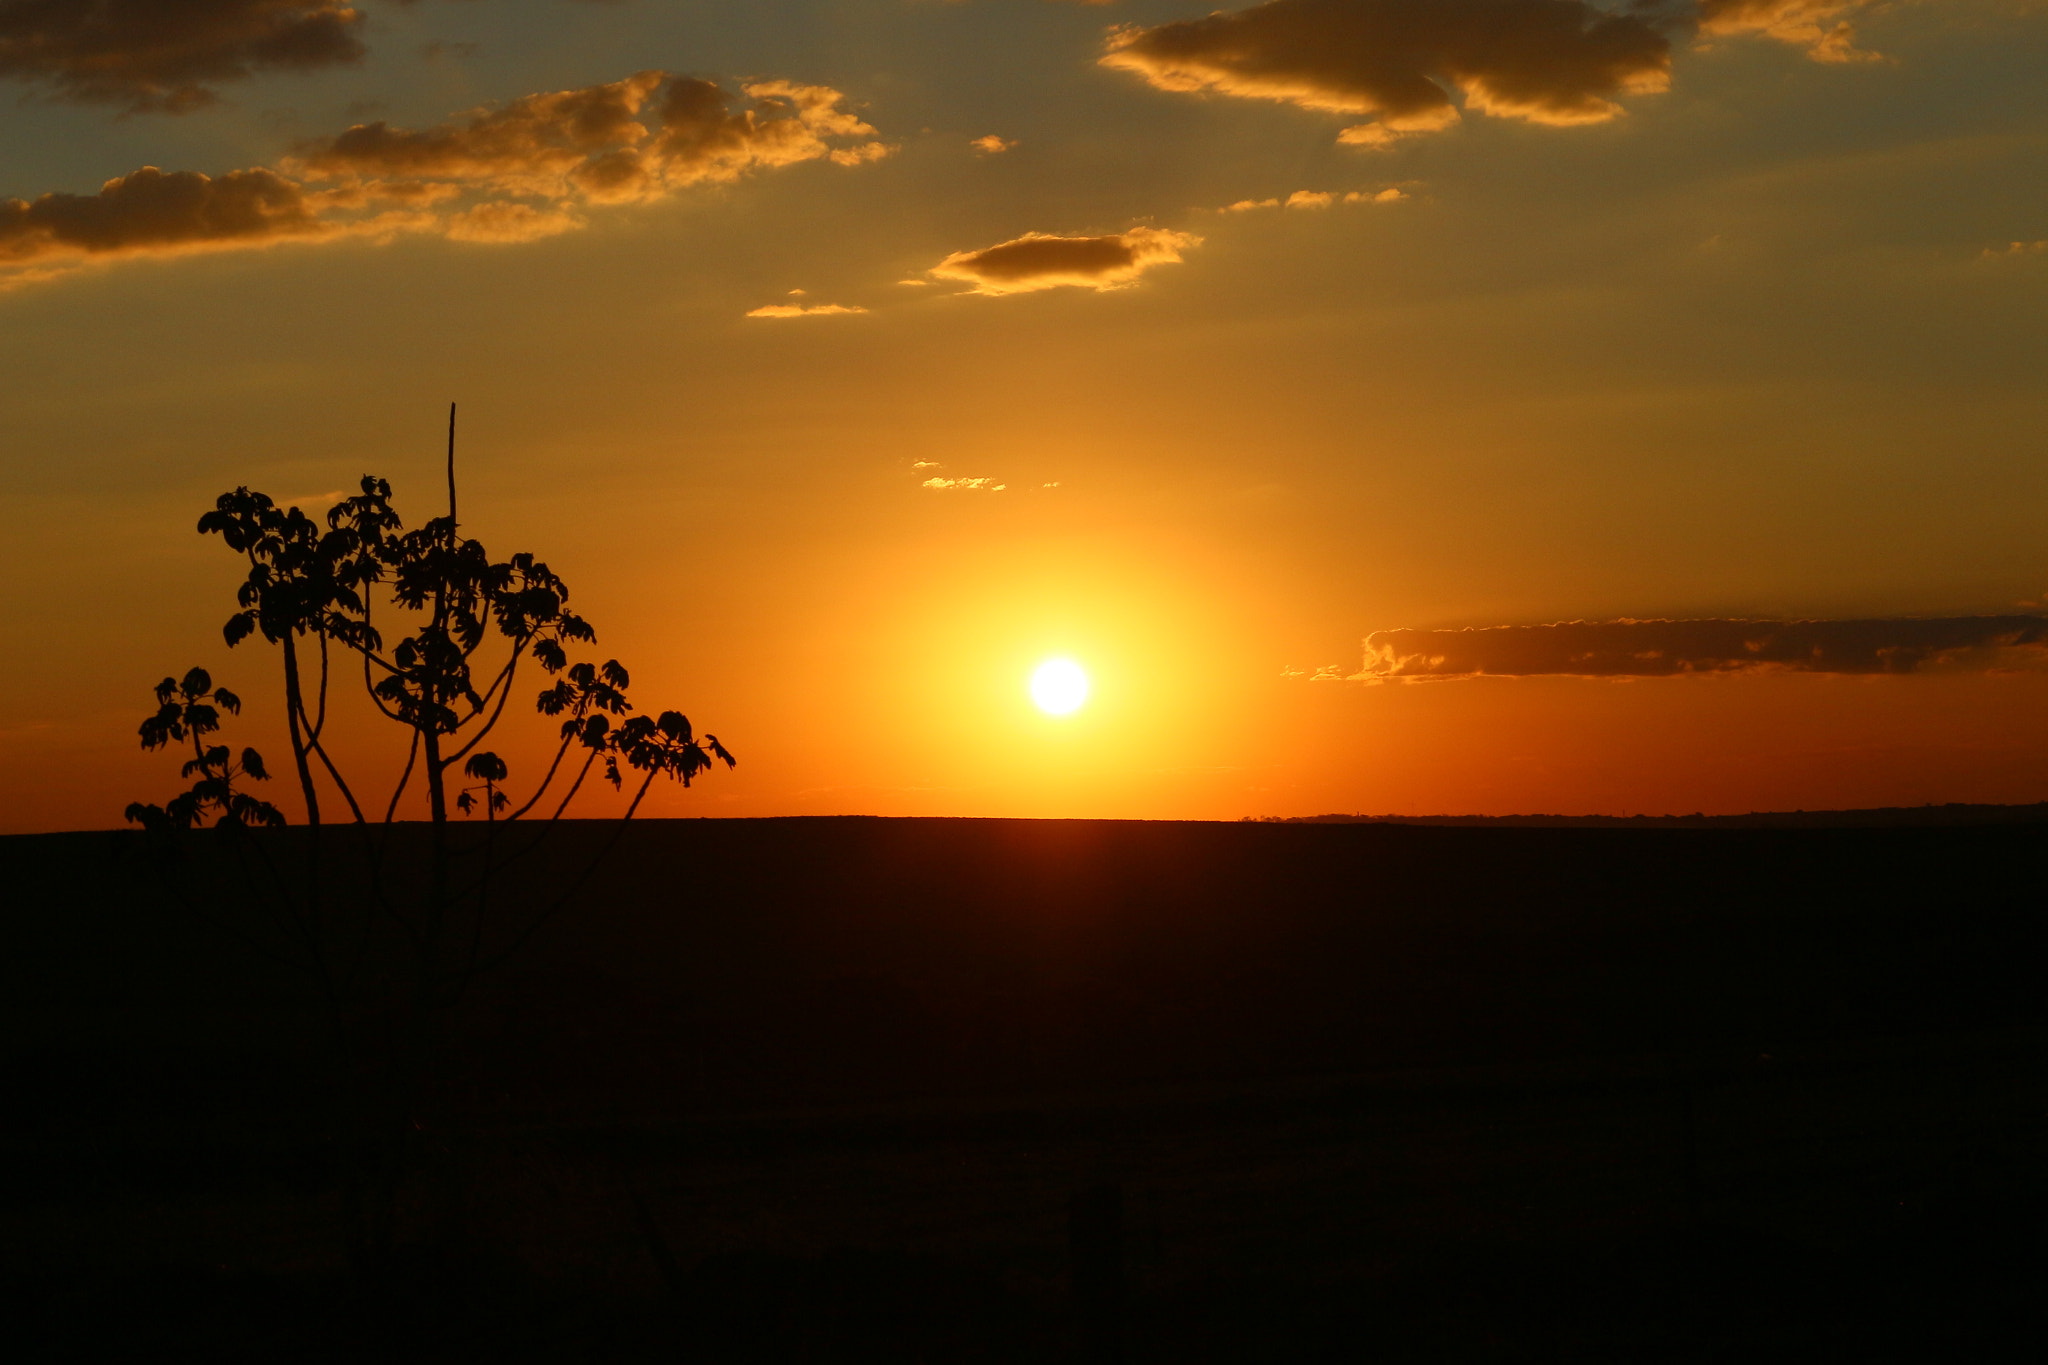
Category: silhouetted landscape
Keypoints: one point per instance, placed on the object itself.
(939, 1090)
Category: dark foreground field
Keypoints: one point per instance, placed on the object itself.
(987, 1090)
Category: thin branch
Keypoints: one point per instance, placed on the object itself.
(371, 687)
(539, 791)
(504, 674)
(411, 757)
(548, 826)
(503, 697)
(314, 728)
(335, 775)
(571, 795)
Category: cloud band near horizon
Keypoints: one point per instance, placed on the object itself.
(1652, 649)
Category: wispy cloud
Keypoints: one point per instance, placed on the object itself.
(1316, 199)
(1628, 648)
(508, 221)
(1819, 26)
(797, 310)
(1040, 260)
(965, 485)
(2012, 249)
(992, 145)
(595, 143)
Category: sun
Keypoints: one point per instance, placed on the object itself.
(1059, 687)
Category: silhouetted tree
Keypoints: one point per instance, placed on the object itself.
(189, 708)
(440, 632)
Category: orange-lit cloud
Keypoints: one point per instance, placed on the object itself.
(1663, 648)
(1316, 199)
(1819, 26)
(166, 56)
(965, 485)
(513, 173)
(595, 143)
(1040, 260)
(992, 145)
(508, 220)
(793, 310)
(1547, 61)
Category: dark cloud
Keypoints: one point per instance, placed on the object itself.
(167, 55)
(158, 211)
(1039, 260)
(1607, 649)
(1549, 61)
(1401, 61)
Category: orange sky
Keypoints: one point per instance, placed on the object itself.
(1735, 315)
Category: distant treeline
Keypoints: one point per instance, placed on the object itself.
(1953, 813)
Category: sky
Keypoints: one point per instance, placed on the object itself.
(1304, 371)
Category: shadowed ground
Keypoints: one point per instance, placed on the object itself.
(834, 1089)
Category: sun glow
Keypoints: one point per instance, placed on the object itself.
(1059, 687)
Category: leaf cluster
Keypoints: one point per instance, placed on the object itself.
(188, 709)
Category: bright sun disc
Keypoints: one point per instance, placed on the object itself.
(1059, 687)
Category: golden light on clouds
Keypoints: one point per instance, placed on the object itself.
(1819, 26)
(511, 172)
(1043, 260)
(797, 310)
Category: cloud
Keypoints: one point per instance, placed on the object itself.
(1816, 25)
(1040, 260)
(1547, 61)
(510, 173)
(1606, 649)
(1994, 253)
(793, 310)
(970, 485)
(1316, 199)
(1556, 62)
(159, 212)
(991, 145)
(595, 143)
(166, 56)
(461, 52)
(508, 221)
